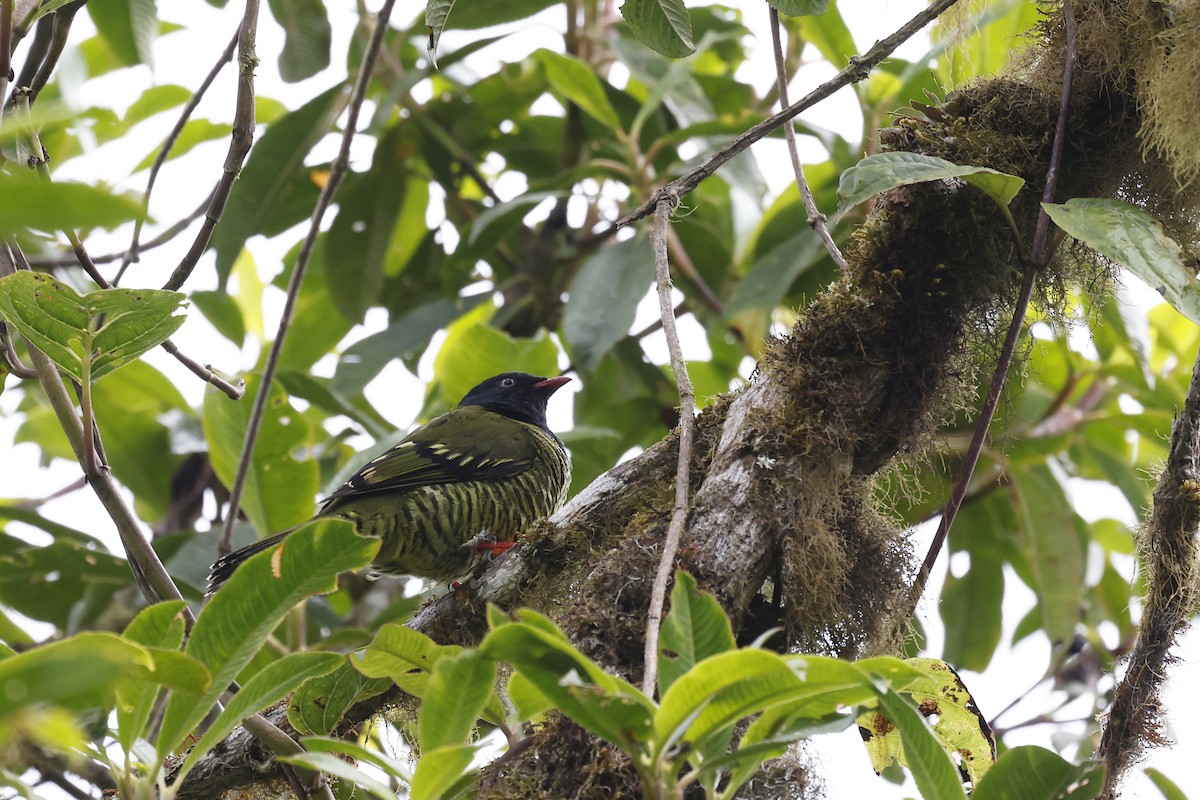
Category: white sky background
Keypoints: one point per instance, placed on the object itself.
(186, 56)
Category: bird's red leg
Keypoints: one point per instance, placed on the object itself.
(494, 549)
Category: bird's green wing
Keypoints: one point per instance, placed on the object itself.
(466, 444)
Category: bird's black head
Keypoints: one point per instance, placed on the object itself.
(517, 395)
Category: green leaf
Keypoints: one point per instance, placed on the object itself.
(129, 27)
(322, 744)
(356, 249)
(52, 673)
(474, 351)
(268, 685)
(159, 625)
(929, 763)
(112, 326)
(459, 688)
(885, 171)
(661, 25)
(1135, 240)
(1035, 773)
(695, 628)
(275, 165)
(319, 705)
(397, 652)
(440, 769)
(27, 201)
(604, 298)
(332, 765)
(238, 619)
(982, 43)
(279, 490)
(156, 100)
(579, 84)
(800, 8)
(1168, 787)
(222, 310)
(604, 704)
(306, 46)
(1052, 543)
(195, 132)
(766, 283)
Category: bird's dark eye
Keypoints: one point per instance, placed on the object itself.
(507, 382)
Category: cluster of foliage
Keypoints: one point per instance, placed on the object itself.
(530, 281)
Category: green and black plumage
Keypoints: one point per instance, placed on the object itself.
(454, 489)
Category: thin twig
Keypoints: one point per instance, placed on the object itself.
(688, 268)
(337, 171)
(1034, 264)
(12, 359)
(858, 69)
(205, 373)
(816, 220)
(239, 145)
(61, 31)
(131, 255)
(687, 412)
(6, 33)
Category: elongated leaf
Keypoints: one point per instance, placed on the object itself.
(604, 298)
(280, 491)
(397, 650)
(306, 26)
(195, 132)
(1135, 240)
(323, 744)
(930, 764)
(440, 769)
(129, 27)
(26, 201)
(275, 165)
(318, 705)
(885, 171)
(159, 625)
(111, 326)
(579, 84)
(238, 619)
(459, 688)
(332, 765)
(695, 628)
(1052, 543)
(1035, 773)
(1170, 790)
(51, 673)
(661, 25)
(268, 685)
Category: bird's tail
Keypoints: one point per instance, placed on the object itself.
(224, 566)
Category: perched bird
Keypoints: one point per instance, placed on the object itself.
(454, 490)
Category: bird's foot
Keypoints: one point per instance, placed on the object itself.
(494, 549)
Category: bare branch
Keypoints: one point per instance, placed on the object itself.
(687, 413)
(337, 172)
(60, 31)
(816, 220)
(132, 254)
(12, 359)
(858, 69)
(239, 146)
(1034, 264)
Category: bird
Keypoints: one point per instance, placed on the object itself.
(456, 490)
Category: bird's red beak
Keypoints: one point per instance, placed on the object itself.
(552, 384)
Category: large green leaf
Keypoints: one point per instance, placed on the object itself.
(1135, 240)
(129, 27)
(1035, 773)
(924, 755)
(266, 687)
(108, 327)
(55, 674)
(275, 165)
(982, 43)
(318, 705)
(306, 46)
(885, 171)
(238, 619)
(695, 628)
(159, 625)
(579, 84)
(438, 770)
(475, 351)
(604, 298)
(1051, 541)
(27, 201)
(459, 688)
(662, 25)
(280, 490)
